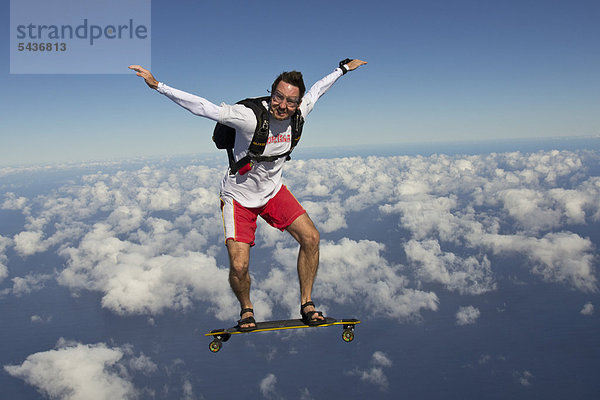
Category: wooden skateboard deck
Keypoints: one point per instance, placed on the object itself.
(223, 335)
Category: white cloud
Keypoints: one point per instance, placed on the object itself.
(141, 263)
(327, 215)
(357, 182)
(562, 257)
(159, 198)
(467, 315)
(530, 208)
(425, 216)
(353, 272)
(28, 284)
(12, 202)
(3, 272)
(36, 319)
(138, 278)
(573, 203)
(188, 390)
(4, 243)
(523, 377)
(460, 206)
(465, 275)
(141, 363)
(381, 359)
(28, 243)
(75, 371)
(591, 190)
(126, 218)
(315, 186)
(203, 201)
(375, 374)
(268, 386)
(588, 309)
(305, 394)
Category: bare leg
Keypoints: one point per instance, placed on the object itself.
(239, 277)
(304, 231)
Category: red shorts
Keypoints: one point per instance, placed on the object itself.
(240, 222)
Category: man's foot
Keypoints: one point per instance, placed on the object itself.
(247, 323)
(310, 316)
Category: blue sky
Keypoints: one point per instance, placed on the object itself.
(437, 71)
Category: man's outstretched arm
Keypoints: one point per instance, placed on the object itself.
(195, 104)
(236, 116)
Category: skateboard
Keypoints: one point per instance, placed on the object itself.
(222, 335)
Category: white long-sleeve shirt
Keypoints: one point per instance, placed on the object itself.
(263, 181)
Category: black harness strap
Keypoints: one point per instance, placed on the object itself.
(250, 159)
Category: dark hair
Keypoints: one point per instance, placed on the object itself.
(293, 78)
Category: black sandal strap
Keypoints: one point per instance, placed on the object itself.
(247, 320)
(309, 315)
(246, 310)
(307, 318)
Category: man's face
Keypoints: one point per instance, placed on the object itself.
(284, 101)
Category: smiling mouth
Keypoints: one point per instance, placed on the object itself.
(279, 113)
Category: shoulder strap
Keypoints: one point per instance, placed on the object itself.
(297, 125)
(261, 133)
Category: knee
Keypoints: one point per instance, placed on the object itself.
(238, 266)
(311, 240)
(239, 259)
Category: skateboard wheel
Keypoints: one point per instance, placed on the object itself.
(348, 335)
(215, 345)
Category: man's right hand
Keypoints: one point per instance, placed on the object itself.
(352, 65)
(144, 73)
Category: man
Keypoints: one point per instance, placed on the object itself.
(259, 190)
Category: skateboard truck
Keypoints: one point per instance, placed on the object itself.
(348, 332)
(218, 340)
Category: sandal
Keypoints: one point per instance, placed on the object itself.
(246, 321)
(307, 317)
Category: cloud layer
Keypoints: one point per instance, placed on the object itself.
(396, 233)
(148, 239)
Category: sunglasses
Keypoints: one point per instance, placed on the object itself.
(290, 101)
